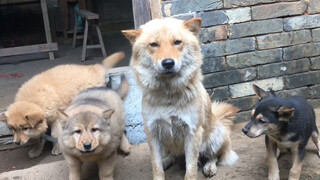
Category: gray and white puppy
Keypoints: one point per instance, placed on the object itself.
(93, 130)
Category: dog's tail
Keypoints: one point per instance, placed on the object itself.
(123, 88)
(224, 113)
(112, 60)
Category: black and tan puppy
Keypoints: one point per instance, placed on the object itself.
(93, 130)
(288, 124)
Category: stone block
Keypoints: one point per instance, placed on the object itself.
(314, 102)
(245, 89)
(255, 28)
(315, 92)
(220, 94)
(211, 65)
(314, 6)
(213, 18)
(185, 17)
(213, 33)
(237, 3)
(283, 39)
(301, 51)
(316, 35)
(174, 7)
(239, 15)
(303, 92)
(301, 22)
(242, 117)
(223, 48)
(254, 58)
(229, 77)
(283, 68)
(315, 63)
(278, 10)
(303, 79)
(245, 103)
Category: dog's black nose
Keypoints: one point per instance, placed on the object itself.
(87, 146)
(167, 63)
(17, 142)
(245, 130)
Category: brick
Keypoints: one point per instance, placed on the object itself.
(314, 6)
(315, 63)
(301, 22)
(254, 58)
(283, 68)
(255, 28)
(301, 51)
(211, 65)
(315, 103)
(242, 117)
(229, 77)
(184, 6)
(185, 17)
(315, 92)
(245, 89)
(278, 10)
(283, 39)
(223, 48)
(245, 103)
(239, 15)
(316, 35)
(220, 94)
(213, 18)
(213, 33)
(303, 79)
(303, 92)
(237, 3)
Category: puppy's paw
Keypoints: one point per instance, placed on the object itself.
(125, 145)
(210, 169)
(56, 150)
(274, 176)
(35, 152)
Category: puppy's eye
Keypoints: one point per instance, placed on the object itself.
(177, 42)
(77, 131)
(94, 130)
(262, 120)
(25, 128)
(154, 44)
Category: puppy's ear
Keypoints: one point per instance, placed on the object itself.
(260, 92)
(194, 25)
(132, 35)
(285, 113)
(63, 118)
(107, 114)
(34, 118)
(3, 116)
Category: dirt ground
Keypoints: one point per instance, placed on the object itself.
(137, 166)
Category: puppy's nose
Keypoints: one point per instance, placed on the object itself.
(245, 130)
(87, 146)
(17, 142)
(167, 63)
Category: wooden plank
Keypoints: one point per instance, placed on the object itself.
(155, 7)
(95, 46)
(87, 14)
(46, 25)
(17, 2)
(141, 12)
(28, 49)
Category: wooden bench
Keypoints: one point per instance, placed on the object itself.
(87, 15)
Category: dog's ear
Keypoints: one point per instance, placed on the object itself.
(260, 92)
(63, 118)
(285, 113)
(3, 116)
(194, 25)
(132, 35)
(107, 114)
(34, 118)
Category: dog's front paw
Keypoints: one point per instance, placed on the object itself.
(273, 177)
(35, 152)
(210, 169)
(56, 150)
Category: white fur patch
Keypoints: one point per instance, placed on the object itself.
(229, 159)
(215, 141)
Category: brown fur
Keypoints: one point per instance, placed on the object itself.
(38, 100)
(95, 117)
(178, 117)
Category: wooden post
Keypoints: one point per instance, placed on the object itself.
(155, 7)
(46, 25)
(141, 12)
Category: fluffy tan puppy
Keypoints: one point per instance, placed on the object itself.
(39, 99)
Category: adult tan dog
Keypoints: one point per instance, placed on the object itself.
(178, 114)
(93, 130)
(39, 99)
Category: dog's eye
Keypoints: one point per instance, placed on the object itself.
(25, 128)
(154, 44)
(94, 130)
(262, 120)
(77, 131)
(177, 42)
